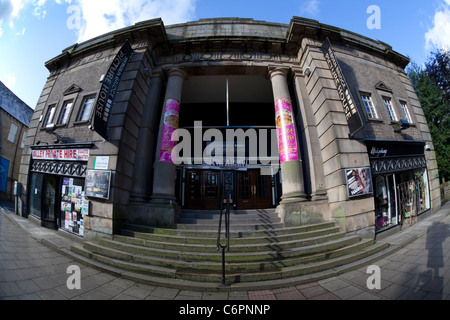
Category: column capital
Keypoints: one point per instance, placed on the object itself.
(177, 72)
(278, 71)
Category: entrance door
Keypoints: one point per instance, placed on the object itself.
(253, 190)
(51, 184)
(203, 189)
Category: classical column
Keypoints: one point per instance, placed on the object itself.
(143, 163)
(288, 147)
(164, 168)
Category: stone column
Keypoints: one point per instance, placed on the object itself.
(164, 168)
(288, 147)
(143, 163)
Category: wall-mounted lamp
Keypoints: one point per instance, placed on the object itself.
(427, 147)
(307, 71)
(51, 129)
(401, 125)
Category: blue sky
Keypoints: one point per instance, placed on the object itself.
(34, 31)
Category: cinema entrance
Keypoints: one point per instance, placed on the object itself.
(204, 189)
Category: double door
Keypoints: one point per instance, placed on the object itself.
(248, 189)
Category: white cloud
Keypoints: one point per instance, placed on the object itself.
(311, 8)
(102, 16)
(439, 35)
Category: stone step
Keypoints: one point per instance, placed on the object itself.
(269, 253)
(234, 233)
(262, 238)
(237, 273)
(241, 247)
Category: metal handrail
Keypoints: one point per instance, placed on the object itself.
(227, 201)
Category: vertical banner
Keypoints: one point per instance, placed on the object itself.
(351, 113)
(287, 139)
(170, 124)
(109, 88)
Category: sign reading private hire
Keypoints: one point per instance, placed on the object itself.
(286, 134)
(61, 154)
(351, 113)
(109, 88)
(171, 119)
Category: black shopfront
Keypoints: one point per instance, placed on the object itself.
(56, 186)
(400, 180)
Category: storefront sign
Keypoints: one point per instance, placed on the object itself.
(359, 181)
(61, 154)
(171, 120)
(351, 113)
(286, 134)
(97, 184)
(109, 88)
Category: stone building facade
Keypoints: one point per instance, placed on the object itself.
(346, 133)
(15, 118)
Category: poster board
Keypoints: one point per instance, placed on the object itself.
(359, 181)
(97, 184)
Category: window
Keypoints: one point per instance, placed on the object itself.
(390, 109)
(406, 111)
(12, 133)
(65, 112)
(369, 107)
(49, 116)
(86, 108)
(24, 137)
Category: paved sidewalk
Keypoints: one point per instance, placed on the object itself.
(32, 267)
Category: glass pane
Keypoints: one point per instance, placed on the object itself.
(37, 180)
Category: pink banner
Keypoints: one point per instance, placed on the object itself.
(287, 138)
(171, 120)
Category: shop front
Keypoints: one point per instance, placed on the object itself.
(401, 189)
(57, 188)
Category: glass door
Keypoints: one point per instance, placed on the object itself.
(50, 200)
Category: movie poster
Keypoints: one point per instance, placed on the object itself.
(359, 181)
(171, 119)
(287, 139)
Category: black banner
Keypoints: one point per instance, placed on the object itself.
(109, 88)
(351, 112)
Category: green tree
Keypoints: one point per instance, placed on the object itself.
(436, 108)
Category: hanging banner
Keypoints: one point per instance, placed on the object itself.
(351, 113)
(287, 139)
(171, 120)
(109, 88)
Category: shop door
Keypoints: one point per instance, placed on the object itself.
(51, 187)
(203, 190)
(253, 191)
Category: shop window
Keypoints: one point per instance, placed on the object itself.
(385, 202)
(406, 111)
(86, 109)
(49, 117)
(12, 133)
(369, 106)
(73, 205)
(65, 113)
(390, 109)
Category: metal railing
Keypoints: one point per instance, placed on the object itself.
(227, 201)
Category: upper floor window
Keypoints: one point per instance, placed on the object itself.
(65, 112)
(48, 120)
(369, 107)
(390, 109)
(12, 133)
(406, 111)
(86, 109)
